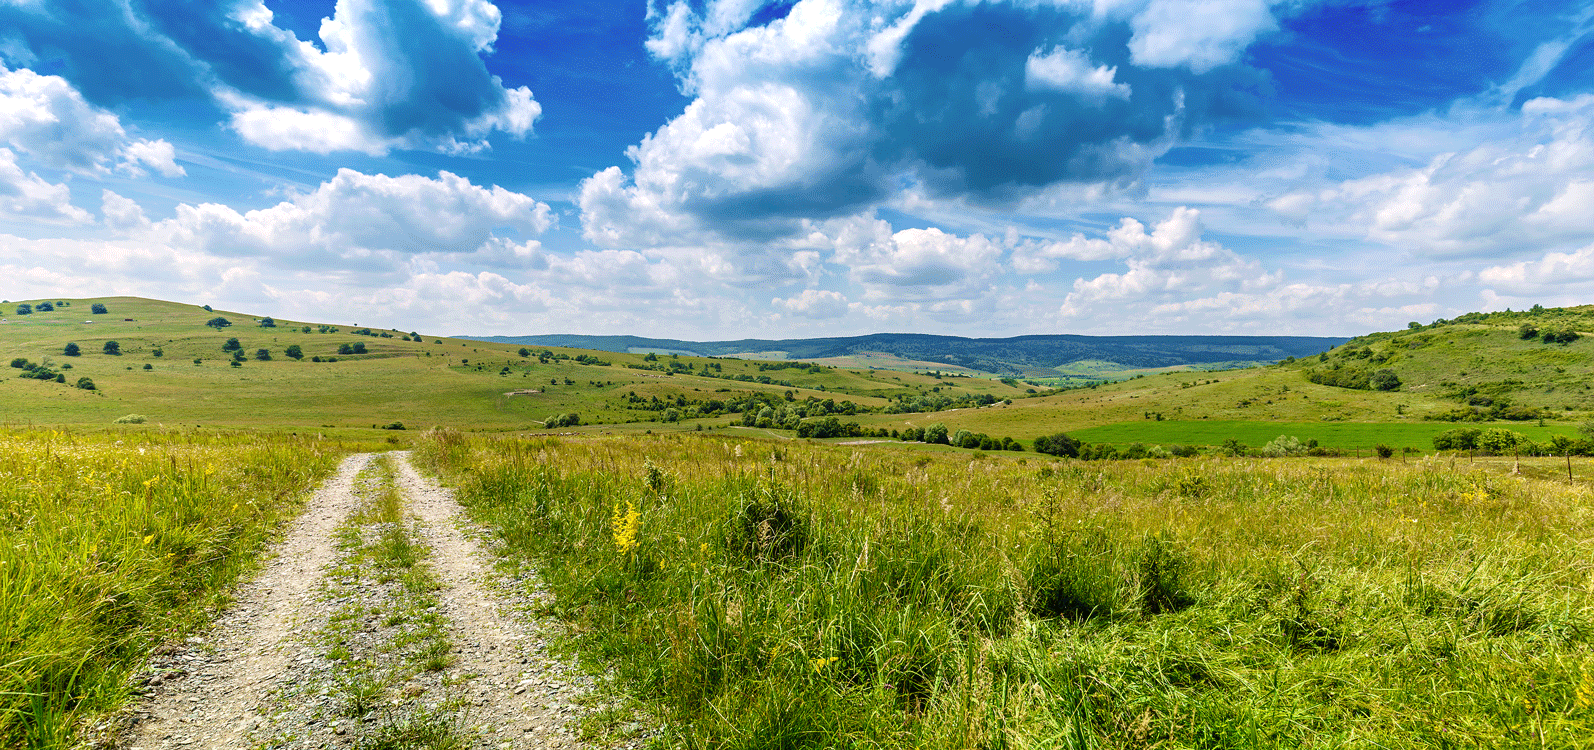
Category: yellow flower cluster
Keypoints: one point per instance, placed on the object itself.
(625, 526)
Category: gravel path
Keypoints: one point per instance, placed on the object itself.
(278, 669)
(208, 695)
(519, 698)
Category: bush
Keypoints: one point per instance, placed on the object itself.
(111, 347)
(264, 355)
(85, 384)
(72, 350)
(1057, 445)
(1560, 336)
(1384, 380)
(293, 351)
(1383, 451)
(961, 437)
(1499, 440)
(1528, 331)
(148, 366)
(563, 420)
(345, 349)
(130, 419)
(1284, 445)
(98, 308)
(24, 309)
(45, 307)
(359, 347)
(19, 363)
(268, 322)
(1459, 439)
(935, 433)
(218, 322)
(524, 352)
(159, 352)
(393, 426)
(232, 345)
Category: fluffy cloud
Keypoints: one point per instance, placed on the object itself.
(814, 303)
(841, 104)
(355, 221)
(1167, 264)
(26, 195)
(1554, 273)
(1531, 188)
(402, 74)
(47, 119)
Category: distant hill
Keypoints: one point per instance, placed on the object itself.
(1019, 355)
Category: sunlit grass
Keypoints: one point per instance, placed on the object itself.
(810, 596)
(110, 544)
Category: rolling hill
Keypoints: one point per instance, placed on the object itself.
(1020, 356)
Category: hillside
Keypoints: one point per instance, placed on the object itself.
(172, 368)
(1039, 356)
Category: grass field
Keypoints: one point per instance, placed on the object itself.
(1351, 435)
(792, 595)
(421, 382)
(112, 543)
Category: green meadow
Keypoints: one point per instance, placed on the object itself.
(1349, 435)
(754, 595)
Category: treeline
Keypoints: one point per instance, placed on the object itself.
(1500, 441)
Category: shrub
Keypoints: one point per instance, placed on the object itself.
(238, 355)
(24, 309)
(218, 322)
(393, 426)
(19, 363)
(1499, 440)
(1459, 439)
(1560, 336)
(72, 350)
(1528, 331)
(111, 347)
(935, 433)
(268, 322)
(98, 308)
(232, 345)
(159, 352)
(85, 384)
(359, 347)
(563, 420)
(264, 355)
(130, 419)
(345, 349)
(1383, 451)
(960, 437)
(236, 363)
(148, 366)
(45, 307)
(1162, 577)
(1057, 445)
(524, 352)
(1284, 445)
(293, 352)
(1384, 380)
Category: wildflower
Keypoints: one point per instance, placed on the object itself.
(149, 539)
(625, 526)
(823, 661)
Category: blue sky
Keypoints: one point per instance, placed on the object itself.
(736, 168)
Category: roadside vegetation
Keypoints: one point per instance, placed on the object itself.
(762, 594)
(112, 543)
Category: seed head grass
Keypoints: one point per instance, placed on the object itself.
(962, 602)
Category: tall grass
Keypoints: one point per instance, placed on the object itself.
(810, 596)
(111, 543)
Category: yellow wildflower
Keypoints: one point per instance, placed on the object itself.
(823, 661)
(625, 526)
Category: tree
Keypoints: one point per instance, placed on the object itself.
(73, 350)
(293, 351)
(345, 349)
(98, 308)
(268, 322)
(45, 307)
(264, 355)
(85, 384)
(232, 345)
(1528, 331)
(111, 347)
(24, 309)
(1385, 380)
(207, 309)
(935, 433)
(1057, 445)
(524, 352)
(960, 437)
(359, 347)
(1413, 325)
(218, 322)
(650, 357)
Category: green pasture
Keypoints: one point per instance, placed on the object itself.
(1328, 434)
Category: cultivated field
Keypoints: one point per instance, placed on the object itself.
(762, 595)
